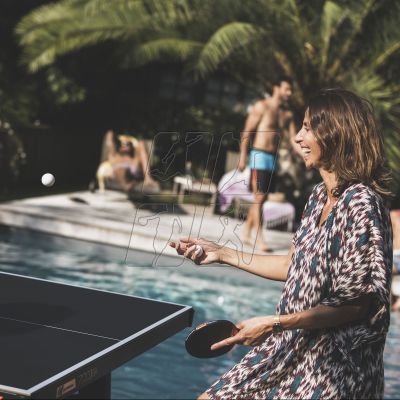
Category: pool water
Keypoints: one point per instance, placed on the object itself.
(166, 371)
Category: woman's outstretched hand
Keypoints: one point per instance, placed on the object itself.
(252, 332)
(200, 251)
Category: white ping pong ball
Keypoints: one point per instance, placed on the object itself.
(220, 300)
(48, 180)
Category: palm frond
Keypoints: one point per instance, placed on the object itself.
(386, 42)
(95, 7)
(332, 16)
(283, 61)
(389, 51)
(54, 30)
(40, 19)
(226, 40)
(384, 97)
(392, 146)
(386, 104)
(165, 49)
(357, 14)
(48, 46)
(171, 10)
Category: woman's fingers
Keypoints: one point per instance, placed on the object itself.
(198, 250)
(179, 247)
(189, 248)
(188, 240)
(191, 252)
(240, 325)
(227, 342)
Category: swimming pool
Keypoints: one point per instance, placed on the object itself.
(166, 371)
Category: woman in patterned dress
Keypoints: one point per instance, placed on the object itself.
(328, 335)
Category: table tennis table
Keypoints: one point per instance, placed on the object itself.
(59, 340)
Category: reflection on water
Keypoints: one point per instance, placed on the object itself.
(167, 371)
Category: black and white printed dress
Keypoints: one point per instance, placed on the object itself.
(348, 256)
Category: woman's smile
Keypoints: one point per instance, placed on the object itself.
(310, 148)
(306, 151)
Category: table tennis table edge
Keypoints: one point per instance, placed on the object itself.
(106, 351)
(34, 389)
(14, 391)
(90, 288)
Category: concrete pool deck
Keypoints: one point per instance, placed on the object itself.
(110, 218)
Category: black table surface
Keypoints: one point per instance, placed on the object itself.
(48, 330)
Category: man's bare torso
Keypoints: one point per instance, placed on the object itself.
(273, 123)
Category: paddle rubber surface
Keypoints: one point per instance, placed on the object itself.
(200, 340)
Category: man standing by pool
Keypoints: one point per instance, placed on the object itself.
(267, 121)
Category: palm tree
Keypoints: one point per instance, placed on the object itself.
(320, 43)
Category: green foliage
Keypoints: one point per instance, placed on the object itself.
(64, 90)
(320, 43)
(12, 154)
(55, 29)
(166, 49)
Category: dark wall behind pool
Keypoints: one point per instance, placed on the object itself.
(70, 154)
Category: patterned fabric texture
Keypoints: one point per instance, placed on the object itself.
(348, 256)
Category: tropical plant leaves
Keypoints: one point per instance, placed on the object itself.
(321, 43)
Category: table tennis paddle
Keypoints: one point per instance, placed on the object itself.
(202, 337)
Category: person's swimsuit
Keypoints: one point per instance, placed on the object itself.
(262, 165)
(133, 171)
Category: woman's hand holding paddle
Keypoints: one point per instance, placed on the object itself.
(252, 332)
(200, 251)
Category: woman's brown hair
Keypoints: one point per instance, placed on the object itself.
(351, 142)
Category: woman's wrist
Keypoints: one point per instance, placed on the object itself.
(289, 321)
(225, 255)
(222, 256)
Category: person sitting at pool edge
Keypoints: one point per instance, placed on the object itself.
(126, 164)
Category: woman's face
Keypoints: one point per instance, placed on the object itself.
(308, 142)
(125, 147)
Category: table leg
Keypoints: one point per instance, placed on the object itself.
(100, 389)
